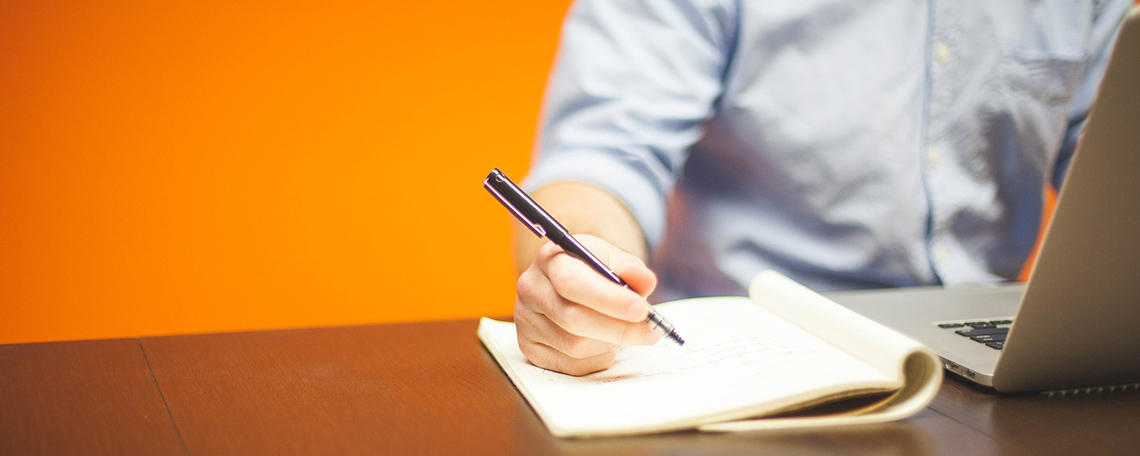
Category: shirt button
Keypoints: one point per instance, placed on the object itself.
(940, 252)
(933, 154)
(941, 51)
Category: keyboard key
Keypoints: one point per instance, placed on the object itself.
(982, 331)
(995, 345)
(951, 325)
(985, 338)
(981, 324)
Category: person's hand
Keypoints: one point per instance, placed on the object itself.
(570, 319)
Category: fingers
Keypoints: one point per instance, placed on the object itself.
(539, 329)
(547, 358)
(538, 294)
(576, 282)
(571, 319)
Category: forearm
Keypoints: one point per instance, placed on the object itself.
(582, 209)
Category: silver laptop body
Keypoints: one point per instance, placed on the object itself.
(1076, 322)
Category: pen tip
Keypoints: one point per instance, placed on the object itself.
(676, 338)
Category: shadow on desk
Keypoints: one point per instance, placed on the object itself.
(889, 439)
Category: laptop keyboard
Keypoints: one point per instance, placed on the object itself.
(989, 332)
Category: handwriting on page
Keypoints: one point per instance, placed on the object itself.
(744, 354)
(739, 346)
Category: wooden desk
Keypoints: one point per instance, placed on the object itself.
(431, 388)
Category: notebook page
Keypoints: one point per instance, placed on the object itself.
(872, 342)
(739, 360)
(888, 352)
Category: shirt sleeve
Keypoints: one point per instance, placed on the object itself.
(632, 84)
(1106, 26)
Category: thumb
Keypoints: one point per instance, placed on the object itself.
(635, 273)
(626, 265)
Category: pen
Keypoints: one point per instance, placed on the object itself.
(544, 225)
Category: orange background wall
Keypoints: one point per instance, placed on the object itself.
(203, 165)
(194, 166)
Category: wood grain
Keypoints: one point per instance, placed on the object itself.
(431, 388)
(91, 397)
(389, 389)
(1085, 424)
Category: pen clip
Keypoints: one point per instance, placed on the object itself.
(536, 228)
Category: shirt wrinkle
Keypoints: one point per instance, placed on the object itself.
(846, 144)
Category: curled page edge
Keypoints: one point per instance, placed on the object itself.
(921, 370)
(919, 367)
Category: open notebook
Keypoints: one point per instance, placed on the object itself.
(785, 349)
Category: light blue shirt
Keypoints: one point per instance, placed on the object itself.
(845, 144)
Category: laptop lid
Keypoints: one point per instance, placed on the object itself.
(1078, 322)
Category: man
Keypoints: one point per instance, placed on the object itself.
(844, 144)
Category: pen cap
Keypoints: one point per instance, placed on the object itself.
(541, 222)
(523, 207)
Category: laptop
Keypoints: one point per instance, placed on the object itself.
(1076, 322)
